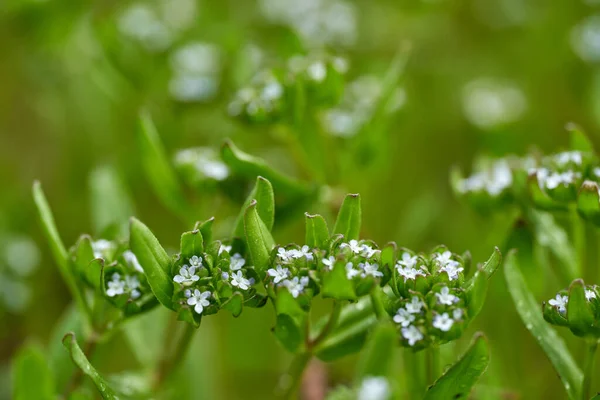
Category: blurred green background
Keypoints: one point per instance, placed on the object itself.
(483, 76)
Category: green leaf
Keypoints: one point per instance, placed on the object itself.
(62, 368)
(258, 239)
(32, 377)
(349, 218)
(79, 358)
(336, 285)
(346, 339)
(287, 332)
(110, 203)
(153, 259)
(579, 141)
(84, 254)
(492, 264)
(251, 167)
(263, 194)
(531, 314)
(459, 379)
(192, 244)
(234, 304)
(58, 248)
(378, 356)
(588, 202)
(539, 197)
(158, 169)
(388, 255)
(205, 229)
(579, 312)
(476, 293)
(317, 233)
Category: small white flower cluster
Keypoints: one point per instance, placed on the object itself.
(282, 276)
(364, 269)
(204, 161)
(128, 285)
(187, 273)
(263, 96)
(103, 248)
(196, 72)
(552, 179)
(494, 181)
(363, 250)
(568, 157)
(236, 262)
(374, 388)
(560, 303)
(449, 266)
(288, 256)
(406, 267)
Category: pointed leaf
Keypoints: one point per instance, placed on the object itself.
(531, 314)
(336, 285)
(206, 230)
(579, 141)
(539, 197)
(192, 244)
(388, 255)
(346, 338)
(378, 356)
(588, 202)
(159, 171)
(287, 332)
(349, 218)
(317, 233)
(79, 358)
(84, 254)
(263, 194)
(579, 312)
(251, 167)
(258, 239)
(154, 260)
(476, 293)
(234, 304)
(457, 382)
(32, 378)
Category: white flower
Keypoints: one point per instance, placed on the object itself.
(224, 248)
(457, 313)
(329, 262)
(100, 247)
(236, 262)
(353, 246)
(370, 269)
(187, 276)
(568, 156)
(560, 302)
(409, 273)
(589, 294)
(408, 260)
(415, 305)
(317, 71)
(368, 251)
(374, 388)
(285, 255)
(237, 279)
(564, 178)
(296, 285)
(196, 262)
(412, 334)
(225, 276)
(132, 260)
(279, 274)
(403, 317)
(131, 285)
(444, 258)
(443, 322)
(115, 286)
(303, 252)
(197, 299)
(445, 297)
(350, 271)
(452, 268)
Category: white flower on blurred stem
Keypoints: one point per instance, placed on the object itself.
(443, 322)
(272, 91)
(408, 260)
(329, 262)
(370, 269)
(585, 39)
(452, 268)
(187, 276)
(131, 285)
(303, 252)
(589, 294)
(415, 305)
(296, 285)
(196, 262)
(566, 157)
(494, 181)
(236, 262)
(279, 273)
(224, 248)
(197, 299)
(353, 246)
(457, 314)
(116, 286)
(197, 59)
(374, 388)
(403, 317)
(190, 88)
(350, 271)
(412, 334)
(22, 255)
(560, 302)
(317, 71)
(368, 251)
(101, 247)
(341, 123)
(489, 103)
(563, 178)
(132, 260)
(238, 280)
(141, 23)
(214, 169)
(445, 297)
(204, 161)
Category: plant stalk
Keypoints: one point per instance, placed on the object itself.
(173, 350)
(588, 372)
(433, 365)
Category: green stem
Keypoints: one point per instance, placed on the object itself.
(578, 232)
(377, 301)
(414, 372)
(588, 371)
(290, 382)
(331, 322)
(433, 365)
(173, 354)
